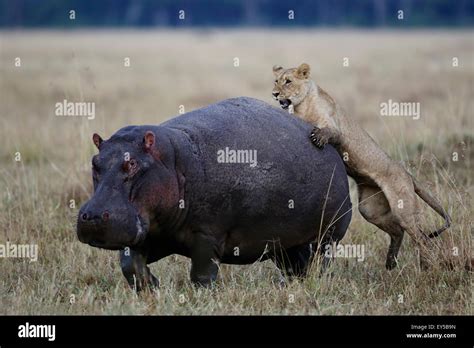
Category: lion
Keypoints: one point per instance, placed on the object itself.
(386, 191)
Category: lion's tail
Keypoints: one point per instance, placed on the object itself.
(434, 204)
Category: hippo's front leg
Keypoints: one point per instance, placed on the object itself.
(204, 260)
(136, 271)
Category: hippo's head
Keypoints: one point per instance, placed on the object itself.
(132, 184)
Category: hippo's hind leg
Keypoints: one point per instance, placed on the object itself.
(331, 238)
(136, 271)
(294, 262)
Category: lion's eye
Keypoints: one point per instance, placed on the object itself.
(287, 82)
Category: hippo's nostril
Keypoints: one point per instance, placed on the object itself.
(84, 217)
(105, 215)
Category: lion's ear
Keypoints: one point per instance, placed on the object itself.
(277, 69)
(303, 71)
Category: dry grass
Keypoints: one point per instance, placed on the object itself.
(194, 69)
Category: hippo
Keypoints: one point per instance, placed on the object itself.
(235, 182)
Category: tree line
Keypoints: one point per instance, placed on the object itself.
(209, 13)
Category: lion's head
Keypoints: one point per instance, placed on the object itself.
(291, 85)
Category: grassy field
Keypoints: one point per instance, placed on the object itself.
(193, 69)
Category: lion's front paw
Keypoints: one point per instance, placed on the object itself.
(320, 137)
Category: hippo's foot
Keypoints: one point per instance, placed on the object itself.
(136, 271)
(294, 262)
(320, 136)
(280, 281)
(391, 263)
(203, 281)
(325, 263)
(204, 267)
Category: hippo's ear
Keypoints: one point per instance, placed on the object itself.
(277, 69)
(149, 140)
(303, 71)
(97, 140)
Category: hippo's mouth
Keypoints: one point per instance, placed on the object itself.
(104, 245)
(285, 103)
(115, 237)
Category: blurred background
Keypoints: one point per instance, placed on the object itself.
(205, 13)
(142, 62)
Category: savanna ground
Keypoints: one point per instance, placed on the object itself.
(169, 69)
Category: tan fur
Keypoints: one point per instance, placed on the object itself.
(382, 182)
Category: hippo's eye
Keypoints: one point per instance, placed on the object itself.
(287, 82)
(130, 166)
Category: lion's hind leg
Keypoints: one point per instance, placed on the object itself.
(374, 207)
(400, 194)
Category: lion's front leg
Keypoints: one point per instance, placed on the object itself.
(322, 136)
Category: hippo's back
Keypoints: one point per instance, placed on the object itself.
(289, 179)
(247, 121)
(281, 143)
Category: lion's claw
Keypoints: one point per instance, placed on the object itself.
(319, 137)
